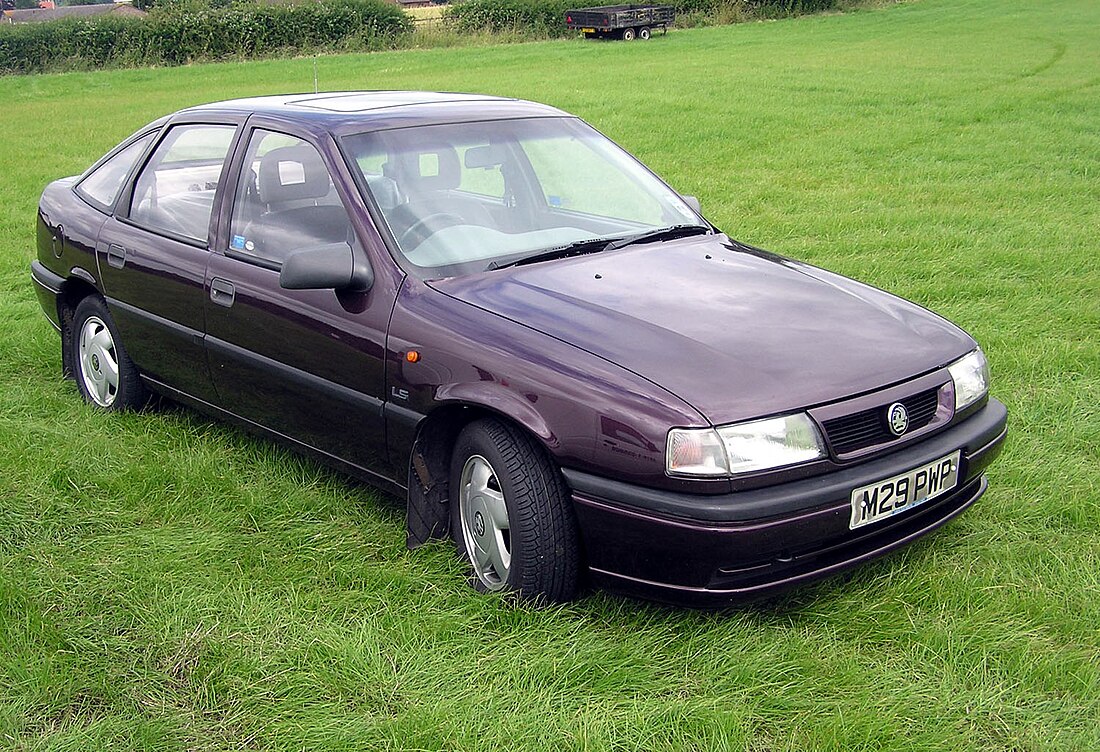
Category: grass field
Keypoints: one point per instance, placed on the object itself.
(168, 583)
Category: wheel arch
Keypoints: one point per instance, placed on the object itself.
(428, 500)
(79, 285)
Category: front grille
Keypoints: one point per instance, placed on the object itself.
(850, 433)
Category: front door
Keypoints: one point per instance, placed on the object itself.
(306, 364)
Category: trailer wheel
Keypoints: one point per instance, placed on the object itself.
(628, 35)
(643, 33)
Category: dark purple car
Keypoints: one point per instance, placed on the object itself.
(489, 309)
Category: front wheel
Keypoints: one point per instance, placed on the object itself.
(511, 516)
(628, 35)
(105, 375)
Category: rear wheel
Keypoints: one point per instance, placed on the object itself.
(511, 516)
(105, 375)
(643, 33)
(628, 35)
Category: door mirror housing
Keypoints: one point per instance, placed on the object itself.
(326, 267)
(693, 202)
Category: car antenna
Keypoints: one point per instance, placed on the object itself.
(315, 74)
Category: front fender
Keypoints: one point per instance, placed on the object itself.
(497, 398)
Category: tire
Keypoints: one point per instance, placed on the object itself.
(104, 373)
(643, 33)
(628, 35)
(511, 516)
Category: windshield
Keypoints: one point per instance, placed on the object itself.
(466, 197)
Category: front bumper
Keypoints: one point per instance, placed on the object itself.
(715, 550)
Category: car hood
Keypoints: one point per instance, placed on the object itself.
(736, 332)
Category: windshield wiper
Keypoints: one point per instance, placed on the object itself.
(595, 245)
(577, 248)
(664, 233)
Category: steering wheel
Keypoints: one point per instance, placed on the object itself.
(425, 227)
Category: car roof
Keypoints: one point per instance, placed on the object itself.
(347, 111)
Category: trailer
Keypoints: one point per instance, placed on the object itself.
(624, 22)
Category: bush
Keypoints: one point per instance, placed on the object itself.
(177, 34)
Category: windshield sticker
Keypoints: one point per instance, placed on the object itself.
(238, 243)
(554, 200)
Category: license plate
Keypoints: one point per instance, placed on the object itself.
(589, 31)
(894, 495)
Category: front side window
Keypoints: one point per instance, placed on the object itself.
(285, 200)
(102, 185)
(175, 191)
(467, 197)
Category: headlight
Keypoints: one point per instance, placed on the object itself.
(971, 377)
(744, 447)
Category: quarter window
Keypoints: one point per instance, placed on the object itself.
(103, 184)
(175, 191)
(285, 200)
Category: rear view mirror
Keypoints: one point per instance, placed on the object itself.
(326, 267)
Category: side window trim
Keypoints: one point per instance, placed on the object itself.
(125, 197)
(127, 179)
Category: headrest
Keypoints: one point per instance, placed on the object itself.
(292, 173)
(431, 169)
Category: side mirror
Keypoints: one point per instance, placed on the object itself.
(693, 202)
(327, 267)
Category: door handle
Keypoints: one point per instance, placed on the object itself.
(116, 256)
(222, 292)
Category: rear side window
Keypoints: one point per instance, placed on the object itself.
(102, 185)
(174, 192)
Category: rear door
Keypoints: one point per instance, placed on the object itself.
(306, 364)
(152, 255)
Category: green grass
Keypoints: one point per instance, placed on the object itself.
(170, 583)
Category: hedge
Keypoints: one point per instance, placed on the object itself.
(175, 38)
(547, 17)
(540, 17)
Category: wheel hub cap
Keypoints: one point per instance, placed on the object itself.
(485, 525)
(97, 362)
